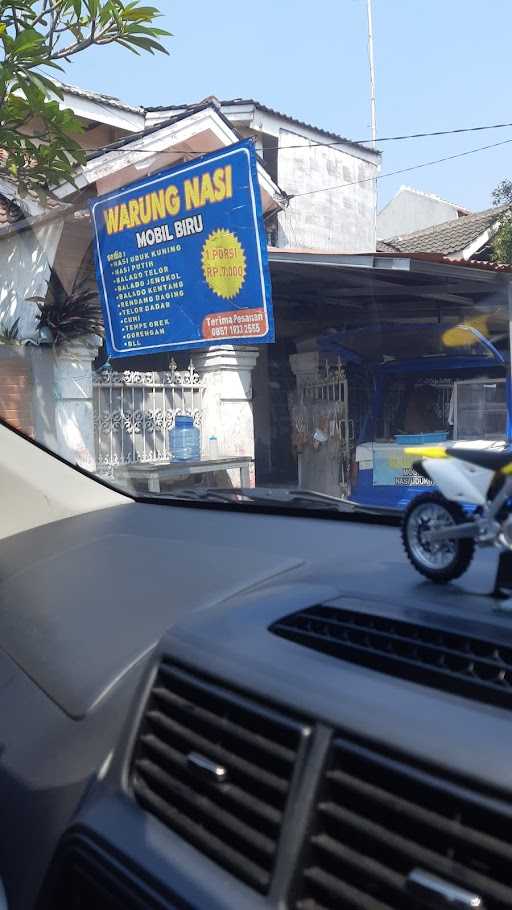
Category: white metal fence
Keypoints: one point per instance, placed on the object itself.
(134, 412)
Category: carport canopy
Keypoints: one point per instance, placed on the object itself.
(316, 293)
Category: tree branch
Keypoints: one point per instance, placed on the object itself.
(92, 39)
(16, 24)
(48, 7)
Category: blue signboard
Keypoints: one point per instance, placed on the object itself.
(181, 257)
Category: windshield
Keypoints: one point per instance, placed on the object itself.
(233, 297)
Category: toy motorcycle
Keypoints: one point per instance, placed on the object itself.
(438, 534)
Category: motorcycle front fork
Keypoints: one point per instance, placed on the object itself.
(484, 528)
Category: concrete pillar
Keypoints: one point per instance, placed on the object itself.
(305, 366)
(73, 393)
(43, 394)
(227, 409)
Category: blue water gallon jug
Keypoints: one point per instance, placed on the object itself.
(185, 440)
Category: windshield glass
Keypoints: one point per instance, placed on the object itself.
(233, 298)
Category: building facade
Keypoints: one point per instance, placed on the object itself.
(330, 180)
(412, 210)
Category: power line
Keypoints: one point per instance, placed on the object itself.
(404, 170)
(464, 129)
(330, 144)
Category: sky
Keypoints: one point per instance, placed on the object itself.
(440, 65)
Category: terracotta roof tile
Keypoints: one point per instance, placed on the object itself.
(448, 237)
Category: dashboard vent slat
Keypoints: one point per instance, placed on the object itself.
(378, 819)
(262, 811)
(234, 818)
(194, 742)
(351, 898)
(172, 790)
(225, 724)
(464, 665)
(227, 856)
(390, 802)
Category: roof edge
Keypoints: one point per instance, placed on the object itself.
(244, 102)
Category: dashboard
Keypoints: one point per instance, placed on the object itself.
(207, 708)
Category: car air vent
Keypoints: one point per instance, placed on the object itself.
(378, 820)
(473, 667)
(216, 767)
(83, 877)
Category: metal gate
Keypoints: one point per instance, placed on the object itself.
(322, 430)
(134, 411)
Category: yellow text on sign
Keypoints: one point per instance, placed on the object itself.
(206, 189)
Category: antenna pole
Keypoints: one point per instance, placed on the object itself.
(372, 72)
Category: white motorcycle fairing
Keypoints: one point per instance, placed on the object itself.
(459, 481)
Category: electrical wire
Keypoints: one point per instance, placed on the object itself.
(334, 142)
(404, 170)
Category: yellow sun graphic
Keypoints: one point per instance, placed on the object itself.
(223, 261)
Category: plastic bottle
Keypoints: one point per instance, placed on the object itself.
(185, 440)
(213, 447)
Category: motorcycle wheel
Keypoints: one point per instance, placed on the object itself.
(443, 561)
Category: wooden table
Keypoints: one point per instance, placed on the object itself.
(156, 472)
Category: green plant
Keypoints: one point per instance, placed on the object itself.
(502, 241)
(502, 193)
(38, 138)
(69, 315)
(10, 333)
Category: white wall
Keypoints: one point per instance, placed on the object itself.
(409, 211)
(25, 260)
(342, 220)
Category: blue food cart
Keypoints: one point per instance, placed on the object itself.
(417, 384)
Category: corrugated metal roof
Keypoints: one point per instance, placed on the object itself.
(98, 97)
(241, 102)
(169, 121)
(112, 101)
(413, 257)
(445, 260)
(448, 237)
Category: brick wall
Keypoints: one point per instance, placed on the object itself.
(342, 220)
(16, 387)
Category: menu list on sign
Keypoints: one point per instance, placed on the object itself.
(144, 289)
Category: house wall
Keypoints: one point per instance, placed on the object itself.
(409, 211)
(342, 220)
(98, 136)
(76, 240)
(25, 260)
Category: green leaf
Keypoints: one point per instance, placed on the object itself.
(141, 12)
(137, 29)
(55, 66)
(44, 84)
(26, 40)
(128, 46)
(147, 44)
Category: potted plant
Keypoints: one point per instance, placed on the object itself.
(67, 316)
